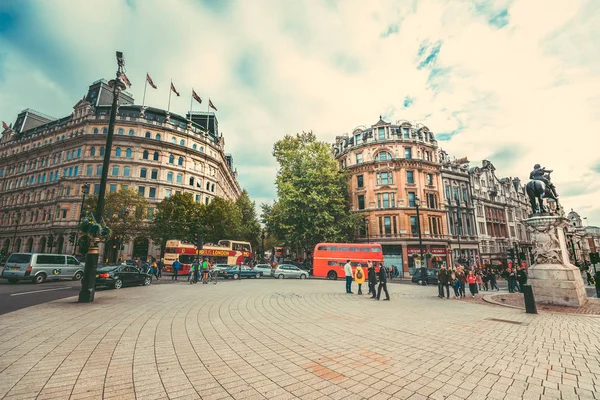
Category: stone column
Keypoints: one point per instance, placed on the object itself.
(553, 278)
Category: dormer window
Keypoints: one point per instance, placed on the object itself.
(358, 139)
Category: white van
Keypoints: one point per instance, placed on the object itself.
(38, 267)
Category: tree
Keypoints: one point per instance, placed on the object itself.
(249, 228)
(177, 218)
(124, 213)
(313, 203)
(222, 220)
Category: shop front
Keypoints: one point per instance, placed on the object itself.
(435, 257)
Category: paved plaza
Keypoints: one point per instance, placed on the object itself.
(272, 339)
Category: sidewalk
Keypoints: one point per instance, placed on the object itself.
(288, 339)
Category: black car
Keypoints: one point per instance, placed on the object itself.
(121, 275)
(431, 277)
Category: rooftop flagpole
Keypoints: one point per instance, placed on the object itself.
(145, 85)
(170, 90)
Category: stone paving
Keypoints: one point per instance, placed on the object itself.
(273, 339)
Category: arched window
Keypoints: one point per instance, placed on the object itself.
(173, 140)
(126, 171)
(157, 137)
(154, 174)
(191, 181)
(128, 153)
(201, 149)
(194, 146)
(99, 170)
(63, 136)
(115, 170)
(143, 172)
(179, 178)
(121, 131)
(180, 161)
(95, 131)
(101, 151)
(383, 156)
(155, 157)
(118, 152)
(105, 130)
(147, 135)
(182, 142)
(169, 177)
(92, 152)
(145, 155)
(131, 132)
(89, 170)
(171, 159)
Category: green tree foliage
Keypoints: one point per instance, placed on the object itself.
(249, 229)
(123, 212)
(313, 203)
(222, 220)
(176, 218)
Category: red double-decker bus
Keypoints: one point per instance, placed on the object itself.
(329, 258)
(232, 252)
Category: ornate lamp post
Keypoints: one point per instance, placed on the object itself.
(367, 228)
(85, 189)
(423, 266)
(88, 282)
(18, 216)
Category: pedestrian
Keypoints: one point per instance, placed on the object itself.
(443, 282)
(511, 278)
(348, 274)
(492, 277)
(472, 281)
(485, 279)
(176, 265)
(359, 278)
(139, 263)
(152, 268)
(479, 277)
(455, 285)
(160, 265)
(382, 282)
(369, 268)
(589, 277)
(206, 267)
(462, 279)
(521, 278)
(372, 281)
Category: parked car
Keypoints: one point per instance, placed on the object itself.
(240, 271)
(38, 267)
(264, 268)
(289, 271)
(431, 277)
(117, 276)
(223, 267)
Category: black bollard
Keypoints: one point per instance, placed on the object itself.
(529, 300)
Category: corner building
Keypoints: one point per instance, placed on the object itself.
(44, 162)
(393, 168)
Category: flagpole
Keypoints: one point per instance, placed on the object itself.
(207, 113)
(145, 85)
(191, 103)
(170, 90)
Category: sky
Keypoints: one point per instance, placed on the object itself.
(516, 82)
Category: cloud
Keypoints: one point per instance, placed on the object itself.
(487, 76)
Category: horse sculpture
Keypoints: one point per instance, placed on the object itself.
(537, 190)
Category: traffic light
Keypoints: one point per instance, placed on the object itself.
(595, 258)
(72, 238)
(511, 253)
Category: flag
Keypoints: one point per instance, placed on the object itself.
(125, 79)
(4, 125)
(149, 80)
(196, 97)
(174, 90)
(211, 105)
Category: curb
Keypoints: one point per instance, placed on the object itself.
(488, 299)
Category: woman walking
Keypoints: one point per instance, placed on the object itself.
(359, 278)
(462, 280)
(472, 281)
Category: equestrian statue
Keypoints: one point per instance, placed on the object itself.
(540, 187)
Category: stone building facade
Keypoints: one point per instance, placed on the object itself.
(500, 207)
(581, 240)
(393, 168)
(44, 162)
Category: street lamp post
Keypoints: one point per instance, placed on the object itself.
(262, 236)
(367, 228)
(423, 266)
(88, 282)
(86, 190)
(16, 228)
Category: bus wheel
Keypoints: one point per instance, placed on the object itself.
(332, 275)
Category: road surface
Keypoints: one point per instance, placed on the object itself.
(26, 294)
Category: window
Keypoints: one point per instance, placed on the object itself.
(168, 193)
(126, 171)
(385, 178)
(455, 193)
(410, 176)
(128, 153)
(173, 140)
(142, 191)
(430, 179)
(387, 226)
(406, 133)
(112, 188)
(147, 135)
(89, 170)
(198, 198)
(105, 130)
(194, 146)
(145, 155)
(99, 170)
(131, 132)
(64, 214)
(191, 181)
(169, 177)
(152, 193)
(157, 137)
(426, 156)
(179, 178)
(101, 151)
(180, 161)
(118, 152)
(151, 213)
(359, 158)
(95, 131)
(154, 174)
(115, 170)
(383, 156)
(182, 142)
(171, 159)
(361, 202)
(482, 228)
(414, 229)
(143, 172)
(358, 139)
(381, 133)
(412, 199)
(121, 131)
(68, 190)
(408, 153)
(75, 171)
(386, 200)
(78, 153)
(431, 200)
(360, 181)
(155, 156)
(68, 158)
(447, 192)
(97, 189)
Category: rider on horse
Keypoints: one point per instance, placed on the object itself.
(539, 174)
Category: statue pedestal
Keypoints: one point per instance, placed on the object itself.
(553, 278)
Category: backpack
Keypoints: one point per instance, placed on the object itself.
(359, 274)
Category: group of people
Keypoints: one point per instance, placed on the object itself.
(373, 276)
(154, 268)
(477, 280)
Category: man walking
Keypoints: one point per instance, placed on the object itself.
(176, 266)
(372, 280)
(443, 281)
(521, 278)
(349, 277)
(382, 282)
(160, 265)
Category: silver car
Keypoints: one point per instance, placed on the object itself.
(38, 267)
(264, 268)
(289, 271)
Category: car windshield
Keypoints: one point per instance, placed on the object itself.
(19, 258)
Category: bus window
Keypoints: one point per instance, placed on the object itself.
(187, 258)
(365, 250)
(170, 250)
(332, 263)
(343, 249)
(332, 248)
(354, 249)
(376, 249)
(322, 248)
